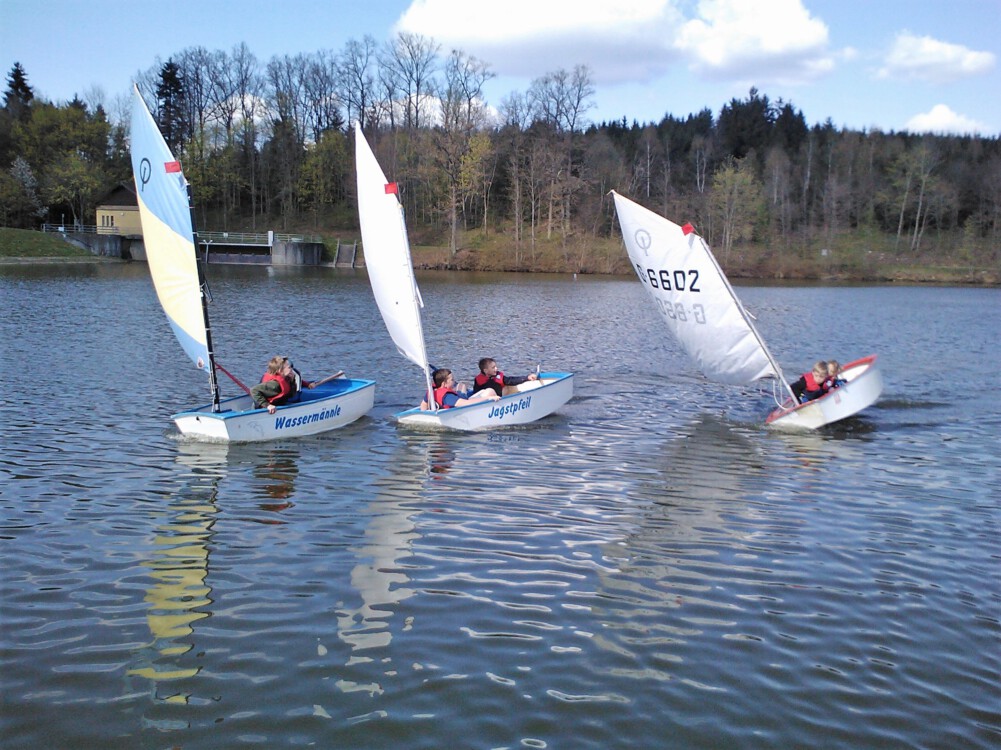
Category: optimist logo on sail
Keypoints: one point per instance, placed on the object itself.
(283, 423)
(499, 412)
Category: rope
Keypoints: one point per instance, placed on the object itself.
(232, 377)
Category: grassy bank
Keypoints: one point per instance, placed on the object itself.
(16, 244)
(849, 257)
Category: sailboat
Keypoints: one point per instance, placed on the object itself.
(703, 312)
(168, 234)
(391, 274)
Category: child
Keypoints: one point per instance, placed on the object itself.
(811, 384)
(834, 379)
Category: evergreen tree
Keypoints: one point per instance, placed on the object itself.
(746, 126)
(170, 96)
(17, 98)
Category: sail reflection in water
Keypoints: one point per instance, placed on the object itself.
(180, 594)
(694, 530)
(378, 576)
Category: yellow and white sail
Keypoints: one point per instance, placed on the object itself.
(164, 209)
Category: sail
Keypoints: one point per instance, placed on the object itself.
(167, 234)
(387, 254)
(693, 296)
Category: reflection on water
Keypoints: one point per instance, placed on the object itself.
(693, 523)
(379, 577)
(180, 594)
(636, 567)
(276, 480)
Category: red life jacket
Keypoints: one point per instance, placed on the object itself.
(496, 382)
(812, 386)
(286, 387)
(439, 396)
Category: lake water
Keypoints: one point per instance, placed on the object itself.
(649, 568)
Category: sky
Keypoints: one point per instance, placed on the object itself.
(892, 65)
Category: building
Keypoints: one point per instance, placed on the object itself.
(118, 212)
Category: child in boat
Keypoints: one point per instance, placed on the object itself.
(275, 386)
(491, 377)
(811, 384)
(446, 395)
(834, 379)
(295, 379)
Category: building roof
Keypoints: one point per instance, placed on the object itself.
(122, 196)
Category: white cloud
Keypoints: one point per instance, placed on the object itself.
(633, 40)
(942, 120)
(926, 59)
(773, 41)
(625, 40)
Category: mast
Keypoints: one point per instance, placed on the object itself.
(419, 303)
(203, 293)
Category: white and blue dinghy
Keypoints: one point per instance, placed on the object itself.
(169, 238)
(702, 311)
(391, 274)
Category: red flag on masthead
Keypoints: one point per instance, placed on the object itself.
(687, 229)
(392, 187)
(172, 166)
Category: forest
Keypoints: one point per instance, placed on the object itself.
(522, 184)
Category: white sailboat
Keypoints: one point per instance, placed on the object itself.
(169, 238)
(391, 274)
(701, 309)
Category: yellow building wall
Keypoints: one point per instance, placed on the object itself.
(122, 220)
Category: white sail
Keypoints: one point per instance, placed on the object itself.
(387, 255)
(693, 296)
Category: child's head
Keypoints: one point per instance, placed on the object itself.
(820, 370)
(275, 364)
(833, 368)
(487, 362)
(439, 376)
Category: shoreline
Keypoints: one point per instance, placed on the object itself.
(974, 278)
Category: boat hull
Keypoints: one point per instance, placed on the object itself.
(324, 408)
(864, 386)
(527, 403)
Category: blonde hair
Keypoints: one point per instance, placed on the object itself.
(820, 368)
(833, 368)
(275, 364)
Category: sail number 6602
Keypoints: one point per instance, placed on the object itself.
(677, 281)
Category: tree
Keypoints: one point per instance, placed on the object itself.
(410, 62)
(73, 181)
(561, 100)
(356, 80)
(172, 119)
(736, 201)
(746, 125)
(323, 96)
(19, 197)
(324, 178)
(458, 153)
(17, 98)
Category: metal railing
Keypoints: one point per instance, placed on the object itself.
(221, 238)
(82, 228)
(254, 238)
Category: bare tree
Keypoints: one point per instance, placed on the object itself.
(410, 61)
(288, 112)
(460, 98)
(248, 88)
(356, 80)
(322, 93)
(561, 99)
(516, 113)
